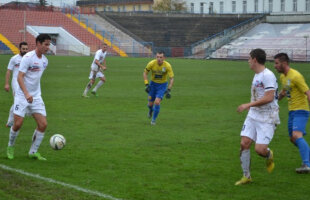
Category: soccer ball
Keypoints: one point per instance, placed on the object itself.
(57, 141)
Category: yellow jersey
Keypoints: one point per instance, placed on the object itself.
(295, 87)
(159, 72)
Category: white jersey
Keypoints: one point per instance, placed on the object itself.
(14, 66)
(100, 56)
(263, 82)
(33, 67)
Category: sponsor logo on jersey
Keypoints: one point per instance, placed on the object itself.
(34, 68)
(259, 84)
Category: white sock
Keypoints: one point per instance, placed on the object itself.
(36, 141)
(99, 84)
(88, 86)
(11, 116)
(13, 136)
(245, 159)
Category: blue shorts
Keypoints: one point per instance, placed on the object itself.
(157, 90)
(297, 121)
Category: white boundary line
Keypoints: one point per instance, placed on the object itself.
(37, 176)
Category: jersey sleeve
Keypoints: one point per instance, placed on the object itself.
(301, 84)
(24, 64)
(11, 64)
(148, 67)
(170, 71)
(270, 82)
(97, 56)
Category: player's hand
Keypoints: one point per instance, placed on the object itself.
(168, 93)
(29, 98)
(243, 107)
(7, 87)
(147, 88)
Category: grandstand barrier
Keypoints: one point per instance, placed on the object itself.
(204, 48)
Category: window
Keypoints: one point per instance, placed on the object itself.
(221, 6)
(134, 8)
(124, 8)
(201, 8)
(308, 5)
(256, 6)
(139, 7)
(192, 7)
(282, 5)
(118, 8)
(294, 5)
(211, 8)
(233, 6)
(150, 7)
(270, 5)
(244, 7)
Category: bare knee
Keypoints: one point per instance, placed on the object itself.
(245, 143)
(42, 126)
(18, 122)
(157, 101)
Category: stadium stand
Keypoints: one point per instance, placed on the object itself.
(174, 30)
(20, 18)
(6, 46)
(293, 39)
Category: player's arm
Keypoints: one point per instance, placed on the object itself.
(267, 98)
(146, 81)
(102, 67)
(281, 94)
(308, 95)
(7, 80)
(20, 80)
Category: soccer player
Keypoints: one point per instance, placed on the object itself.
(28, 96)
(263, 115)
(13, 67)
(297, 91)
(97, 67)
(158, 86)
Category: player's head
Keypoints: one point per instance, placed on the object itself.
(23, 48)
(104, 47)
(42, 43)
(160, 57)
(257, 56)
(281, 61)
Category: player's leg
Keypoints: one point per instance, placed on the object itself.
(20, 107)
(248, 134)
(298, 120)
(11, 117)
(160, 92)
(39, 114)
(151, 98)
(92, 77)
(99, 84)
(265, 132)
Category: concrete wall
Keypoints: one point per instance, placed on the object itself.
(64, 42)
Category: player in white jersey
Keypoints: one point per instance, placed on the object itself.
(97, 67)
(263, 115)
(13, 69)
(28, 96)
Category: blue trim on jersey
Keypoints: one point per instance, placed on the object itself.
(157, 90)
(297, 121)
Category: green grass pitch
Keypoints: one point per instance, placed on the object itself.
(191, 154)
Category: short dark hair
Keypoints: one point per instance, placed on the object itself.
(22, 43)
(42, 37)
(259, 54)
(160, 52)
(283, 57)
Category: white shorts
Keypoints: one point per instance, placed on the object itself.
(259, 132)
(94, 74)
(21, 106)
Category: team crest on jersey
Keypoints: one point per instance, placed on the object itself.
(259, 84)
(288, 82)
(17, 65)
(164, 69)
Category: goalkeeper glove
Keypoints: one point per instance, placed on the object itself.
(147, 88)
(168, 95)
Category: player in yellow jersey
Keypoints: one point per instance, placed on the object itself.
(157, 88)
(297, 91)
